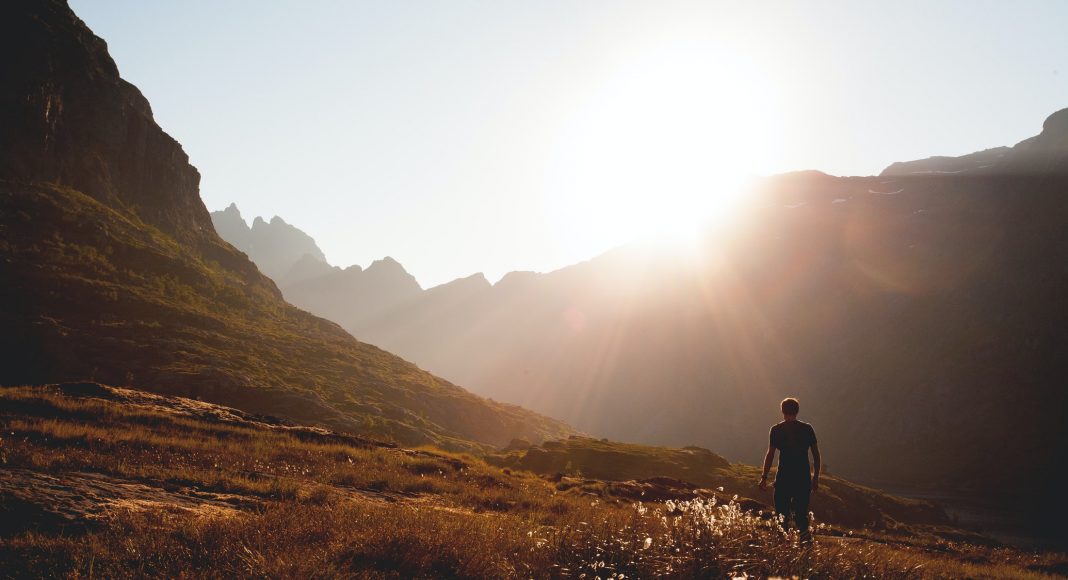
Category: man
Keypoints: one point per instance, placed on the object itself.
(793, 483)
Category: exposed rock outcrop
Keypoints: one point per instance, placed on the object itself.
(69, 119)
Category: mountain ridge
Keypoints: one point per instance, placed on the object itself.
(274, 246)
(869, 297)
(113, 271)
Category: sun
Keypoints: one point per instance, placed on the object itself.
(662, 148)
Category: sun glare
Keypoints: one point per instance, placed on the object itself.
(663, 148)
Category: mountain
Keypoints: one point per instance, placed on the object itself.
(111, 269)
(307, 267)
(941, 164)
(275, 246)
(231, 226)
(919, 315)
(293, 260)
(350, 296)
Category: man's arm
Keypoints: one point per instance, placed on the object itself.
(768, 458)
(816, 465)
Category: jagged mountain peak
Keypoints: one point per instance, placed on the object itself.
(275, 246)
(386, 264)
(230, 223)
(275, 222)
(113, 271)
(386, 260)
(388, 268)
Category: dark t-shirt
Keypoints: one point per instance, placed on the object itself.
(793, 439)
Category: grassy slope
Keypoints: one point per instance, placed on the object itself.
(838, 500)
(94, 292)
(297, 502)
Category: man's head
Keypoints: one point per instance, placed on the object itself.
(790, 407)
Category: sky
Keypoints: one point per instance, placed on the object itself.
(491, 136)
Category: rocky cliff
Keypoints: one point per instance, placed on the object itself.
(110, 268)
(69, 119)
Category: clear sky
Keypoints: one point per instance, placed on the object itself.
(496, 135)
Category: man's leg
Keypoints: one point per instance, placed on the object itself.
(802, 495)
(782, 504)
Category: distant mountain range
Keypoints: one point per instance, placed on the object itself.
(920, 315)
(351, 296)
(112, 271)
(275, 246)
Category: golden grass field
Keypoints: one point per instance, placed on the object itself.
(104, 482)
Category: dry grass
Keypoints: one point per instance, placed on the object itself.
(327, 508)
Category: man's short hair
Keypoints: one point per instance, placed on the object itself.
(790, 406)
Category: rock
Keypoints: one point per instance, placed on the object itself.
(75, 501)
(70, 119)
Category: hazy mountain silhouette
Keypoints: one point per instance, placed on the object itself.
(920, 316)
(941, 164)
(353, 295)
(275, 246)
(306, 268)
(111, 269)
(294, 261)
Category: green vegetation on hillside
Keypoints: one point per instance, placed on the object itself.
(110, 268)
(93, 292)
(98, 481)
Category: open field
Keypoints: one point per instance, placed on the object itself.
(99, 481)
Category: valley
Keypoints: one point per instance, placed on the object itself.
(183, 394)
(918, 314)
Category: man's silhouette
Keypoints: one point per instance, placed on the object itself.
(793, 483)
